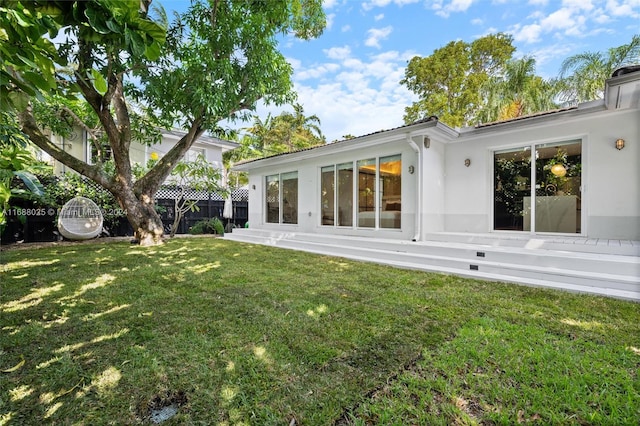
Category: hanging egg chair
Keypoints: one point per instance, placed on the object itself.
(80, 219)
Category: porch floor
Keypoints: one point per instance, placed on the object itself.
(549, 242)
(597, 266)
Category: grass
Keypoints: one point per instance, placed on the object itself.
(236, 334)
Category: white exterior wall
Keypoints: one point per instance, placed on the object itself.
(444, 195)
(212, 153)
(433, 187)
(309, 208)
(610, 178)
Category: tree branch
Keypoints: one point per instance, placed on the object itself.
(77, 120)
(151, 181)
(30, 128)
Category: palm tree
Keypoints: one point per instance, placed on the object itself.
(275, 135)
(516, 92)
(300, 131)
(584, 74)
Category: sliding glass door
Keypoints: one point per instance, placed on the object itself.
(553, 202)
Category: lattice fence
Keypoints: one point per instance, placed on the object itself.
(42, 227)
(170, 192)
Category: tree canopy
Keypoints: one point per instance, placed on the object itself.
(468, 83)
(449, 82)
(286, 132)
(584, 74)
(134, 69)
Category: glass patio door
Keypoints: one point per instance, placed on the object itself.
(553, 202)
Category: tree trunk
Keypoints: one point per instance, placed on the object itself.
(142, 215)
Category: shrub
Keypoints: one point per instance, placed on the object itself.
(208, 226)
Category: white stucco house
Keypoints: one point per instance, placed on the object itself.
(567, 175)
(80, 147)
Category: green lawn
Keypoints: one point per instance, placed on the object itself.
(234, 334)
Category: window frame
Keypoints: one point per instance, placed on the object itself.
(373, 162)
(280, 178)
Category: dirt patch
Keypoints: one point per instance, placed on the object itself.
(162, 407)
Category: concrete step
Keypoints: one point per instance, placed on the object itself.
(612, 275)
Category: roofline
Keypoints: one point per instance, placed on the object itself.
(432, 127)
(203, 139)
(371, 139)
(548, 116)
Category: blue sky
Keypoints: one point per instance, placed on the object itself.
(349, 77)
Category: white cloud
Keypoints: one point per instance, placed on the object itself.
(352, 106)
(330, 18)
(345, 28)
(452, 7)
(317, 71)
(624, 8)
(328, 4)
(295, 63)
(383, 3)
(364, 96)
(527, 33)
(538, 2)
(338, 52)
(477, 21)
(377, 34)
(550, 54)
(601, 17)
(560, 19)
(379, 17)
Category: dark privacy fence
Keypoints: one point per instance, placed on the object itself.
(28, 222)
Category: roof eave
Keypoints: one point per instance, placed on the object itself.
(369, 140)
(582, 109)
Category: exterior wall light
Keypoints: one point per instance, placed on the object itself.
(467, 162)
(620, 144)
(411, 169)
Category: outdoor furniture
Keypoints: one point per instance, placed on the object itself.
(80, 219)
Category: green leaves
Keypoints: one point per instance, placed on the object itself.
(449, 82)
(27, 58)
(99, 83)
(222, 57)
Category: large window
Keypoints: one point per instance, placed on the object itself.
(345, 194)
(273, 198)
(282, 198)
(367, 171)
(391, 182)
(290, 197)
(369, 190)
(327, 195)
(553, 202)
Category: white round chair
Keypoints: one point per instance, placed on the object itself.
(80, 219)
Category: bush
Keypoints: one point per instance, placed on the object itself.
(208, 226)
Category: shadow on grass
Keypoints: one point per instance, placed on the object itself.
(244, 333)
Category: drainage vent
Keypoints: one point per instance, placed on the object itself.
(473, 267)
(480, 254)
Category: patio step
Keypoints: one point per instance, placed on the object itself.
(605, 274)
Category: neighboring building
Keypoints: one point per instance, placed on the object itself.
(77, 144)
(569, 172)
